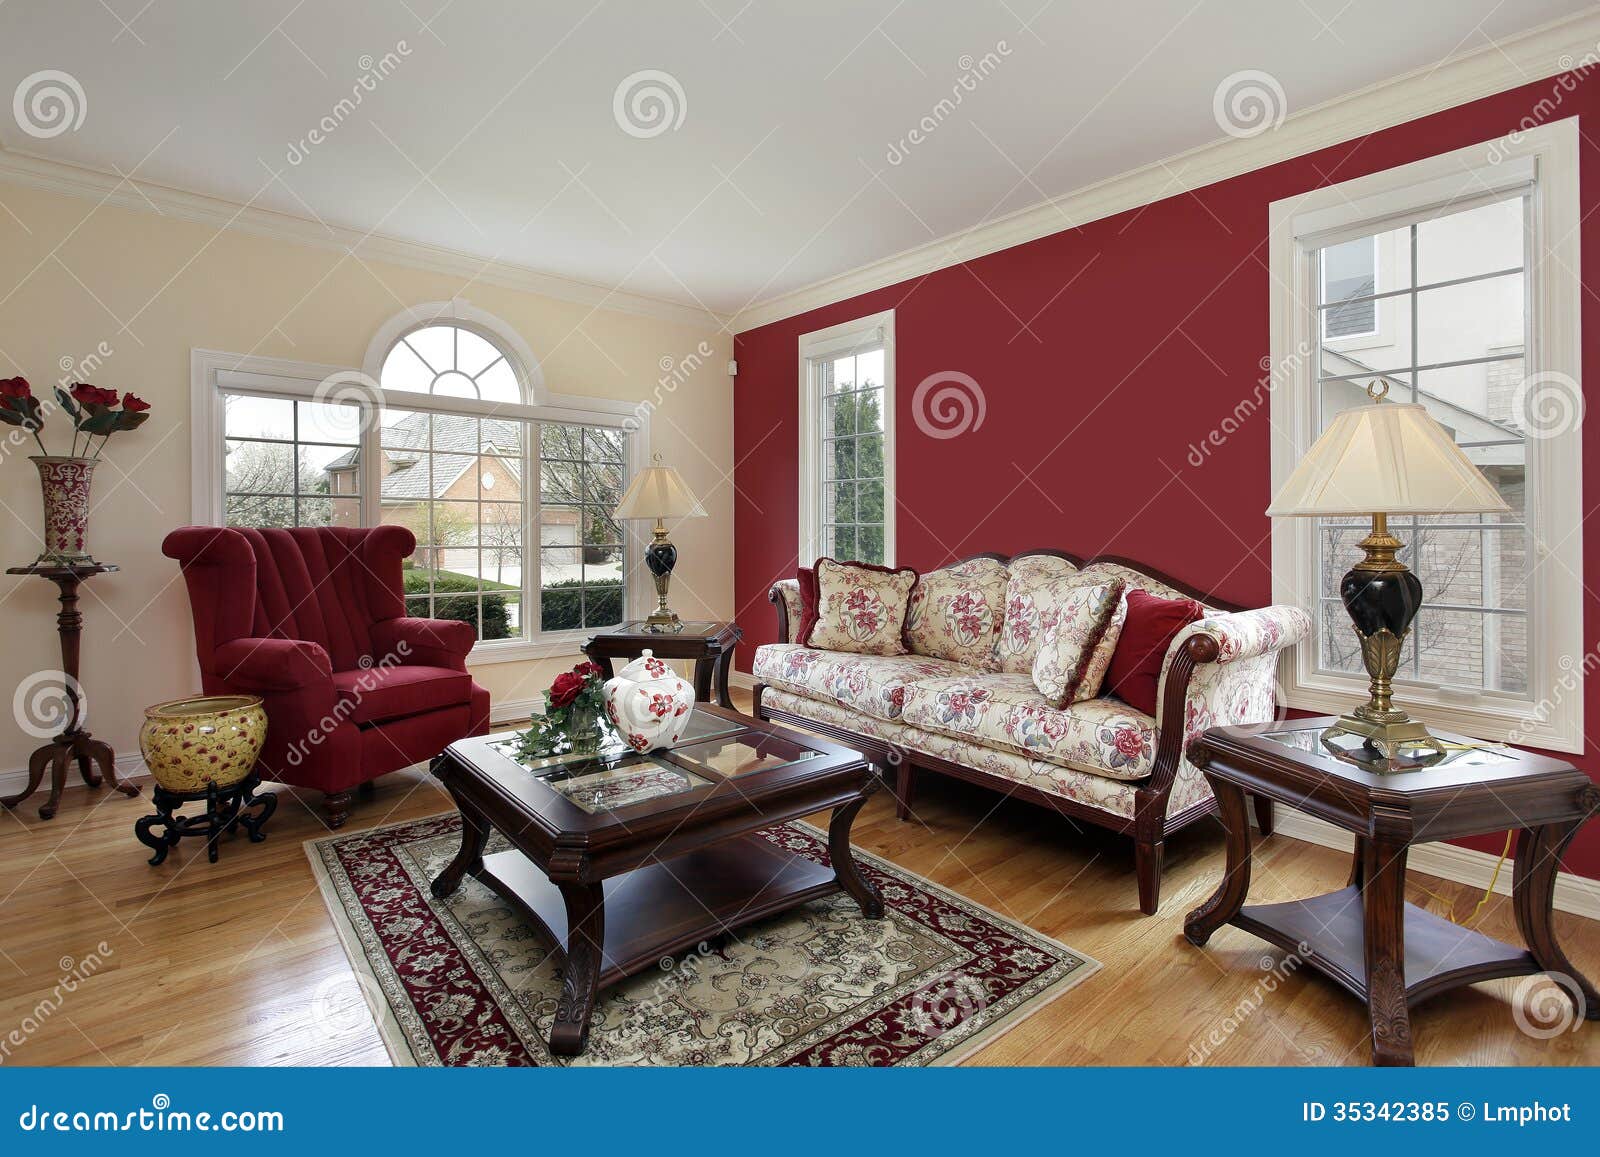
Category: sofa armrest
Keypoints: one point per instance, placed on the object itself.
(1220, 671)
(268, 665)
(785, 596)
(425, 642)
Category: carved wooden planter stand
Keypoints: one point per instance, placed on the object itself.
(227, 808)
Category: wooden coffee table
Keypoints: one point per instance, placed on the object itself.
(620, 859)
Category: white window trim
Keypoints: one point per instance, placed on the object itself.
(862, 333)
(1550, 716)
(213, 370)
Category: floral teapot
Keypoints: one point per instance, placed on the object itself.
(648, 703)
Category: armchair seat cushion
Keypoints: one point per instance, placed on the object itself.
(1100, 736)
(874, 684)
(374, 694)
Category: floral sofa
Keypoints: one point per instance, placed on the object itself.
(983, 720)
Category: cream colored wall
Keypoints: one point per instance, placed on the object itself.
(73, 276)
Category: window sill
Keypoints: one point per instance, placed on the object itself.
(563, 646)
(1550, 725)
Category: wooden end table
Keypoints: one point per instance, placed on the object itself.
(710, 645)
(620, 859)
(1365, 937)
(95, 760)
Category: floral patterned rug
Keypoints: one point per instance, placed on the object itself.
(465, 981)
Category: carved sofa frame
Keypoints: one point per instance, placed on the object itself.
(1150, 824)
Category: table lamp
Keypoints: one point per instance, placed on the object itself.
(1382, 459)
(658, 492)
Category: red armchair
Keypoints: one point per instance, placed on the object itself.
(313, 620)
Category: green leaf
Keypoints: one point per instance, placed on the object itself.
(131, 419)
(102, 422)
(9, 417)
(66, 404)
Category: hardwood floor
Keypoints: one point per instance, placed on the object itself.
(236, 963)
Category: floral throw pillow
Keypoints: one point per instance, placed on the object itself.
(1078, 644)
(1018, 642)
(861, 608)
(956, 612)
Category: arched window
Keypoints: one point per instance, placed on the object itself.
(448, 431)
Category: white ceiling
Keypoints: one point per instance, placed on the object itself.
(494, 133)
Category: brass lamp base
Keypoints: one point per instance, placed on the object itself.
(1382, 597)
(660, 557)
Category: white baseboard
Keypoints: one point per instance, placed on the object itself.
(1574, 894)
(13, 781)
(514, 710)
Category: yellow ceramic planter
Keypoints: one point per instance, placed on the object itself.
(190, 744)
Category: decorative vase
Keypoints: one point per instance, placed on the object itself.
(583, 727)
(192, 744)
(64, 483)
(649, 704)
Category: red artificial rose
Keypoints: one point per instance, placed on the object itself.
(565, 689)
(15, 388)
(588, 670)
(134, 404)
(88, 395)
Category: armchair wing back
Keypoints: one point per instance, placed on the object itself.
(313, 620)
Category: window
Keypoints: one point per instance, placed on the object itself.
(1349, 284)
(847, 442)
(508, 493)
(1456, 274)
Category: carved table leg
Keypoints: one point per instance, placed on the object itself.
(1532, 897)
(1226, 901)
(580, 981)
(474, 835)
(37, 762)
(105, 759)
(724, 664)
(58, 780)
(267, 801)
(844, 863)
(702, 679)
(86, 766)
(1357, 863)
(144, 829)
(337, 804)
(1383, 902)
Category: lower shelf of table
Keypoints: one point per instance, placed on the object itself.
(1439, 955)
(660, 909)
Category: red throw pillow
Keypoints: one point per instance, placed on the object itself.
(807, 578)
(1148, 631)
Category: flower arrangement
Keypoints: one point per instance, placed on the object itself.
(573, 708)
(94, 410)
(64, 481)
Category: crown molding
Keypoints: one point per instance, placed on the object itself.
(25, 168)
(1534, 55)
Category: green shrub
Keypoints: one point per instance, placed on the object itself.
(463, 607)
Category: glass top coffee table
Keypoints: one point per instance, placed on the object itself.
(621, 858)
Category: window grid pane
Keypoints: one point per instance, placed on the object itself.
(850, 445)
(1465, 364)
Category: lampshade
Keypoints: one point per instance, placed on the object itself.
(1389, 458)
(658, 492)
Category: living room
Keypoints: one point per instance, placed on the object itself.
(509, 568)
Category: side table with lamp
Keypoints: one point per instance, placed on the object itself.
(1384, 777)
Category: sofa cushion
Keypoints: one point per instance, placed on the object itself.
(956, 612)
(1102, 736)
(861, 608)
(1017, 645)
(1077, 646)
(1151, 624)
(873, 684)
(373, 694)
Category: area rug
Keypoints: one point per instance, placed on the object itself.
(465, 981)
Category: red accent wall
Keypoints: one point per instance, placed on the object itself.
(1104, 354)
